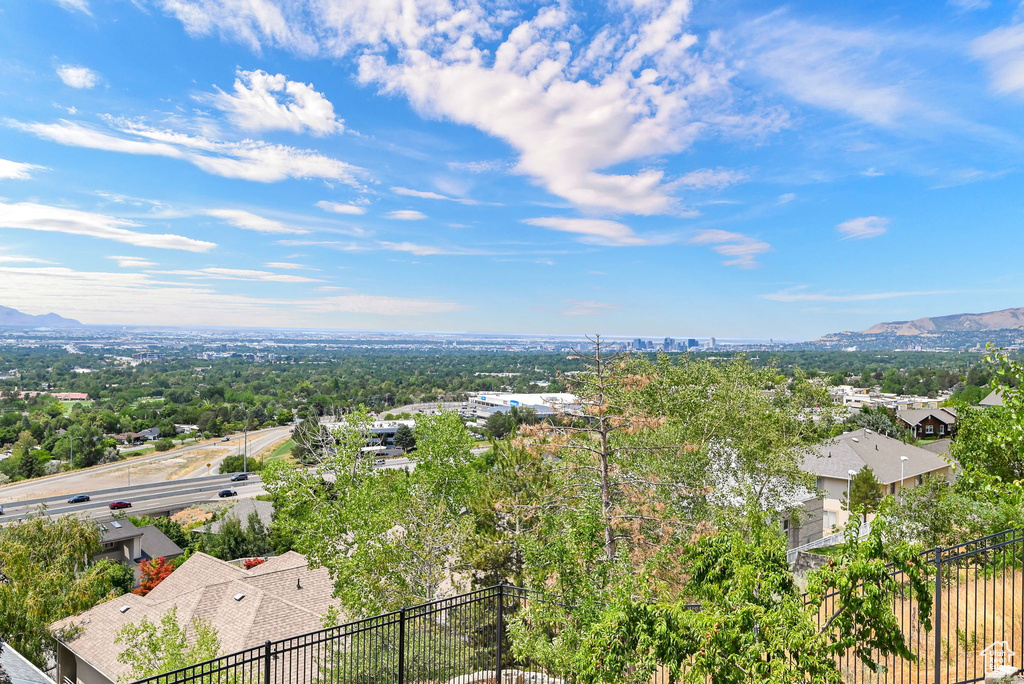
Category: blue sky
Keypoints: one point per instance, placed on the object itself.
(655, 167)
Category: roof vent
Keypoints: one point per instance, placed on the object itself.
(239, 597)
(867, 431)
(855, 439)
(124, 609)
(876, 447)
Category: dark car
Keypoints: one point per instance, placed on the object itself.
(239, 477)
(227, 492)
(80, 498)
(114, 505)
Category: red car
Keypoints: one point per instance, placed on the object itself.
(114, 505)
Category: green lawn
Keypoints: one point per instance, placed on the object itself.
(282, 453)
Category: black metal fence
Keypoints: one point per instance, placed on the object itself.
(978, 622)
(977, 616)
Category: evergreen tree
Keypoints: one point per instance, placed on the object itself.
(865, 491)
(405, 439)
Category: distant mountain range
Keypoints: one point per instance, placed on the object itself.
(1007, 319)
(12, 318)
(958, 331)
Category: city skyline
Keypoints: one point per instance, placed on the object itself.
(737, 170)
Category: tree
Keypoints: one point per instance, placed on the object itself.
(47, 576)
(389, 538)
(499, 425)
(754, 623)
(152, 649)
(153, 572)
(865, 491)
(991, 439)
(405, 439)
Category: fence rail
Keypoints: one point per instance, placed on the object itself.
(978, 619)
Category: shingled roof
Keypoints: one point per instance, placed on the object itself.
(277, 599)
(866, 448)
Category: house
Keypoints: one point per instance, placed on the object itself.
(125, 543)
(19, 668)
(896, 465)
(994, 398)
(924, 423)
(129, 438)
(149, 434)
(277, 599)
(184, 428)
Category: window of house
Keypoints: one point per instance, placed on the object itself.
(929, 429)
(785, 525)
(920, 479)
(828, 520)
(820, 484)
(892, 488)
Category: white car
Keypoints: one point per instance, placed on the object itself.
(379, 461)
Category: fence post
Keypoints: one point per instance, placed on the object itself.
(500, 630)
(266, 662)
(938, 614)
(401, 646)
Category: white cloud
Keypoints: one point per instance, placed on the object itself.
(571, 107)
(799, 294)
(716, 179)
(426, 194)
(17, 170)
(339, 208)
(140, 298)
(595, 231)
(587, 308)
(78, 76)
(21, 259)
(742, 249)
(75, 5)
(132, 262)
(837, 69)
(785, 198)
(1003, 50)
(45, 218)
(216, 273)
(265, 102)
(863, 227)
(480, 166)
(248, 221)
(406, 215)
(969, 5)
(289, 266)
(872, 172)
(252, 160)
(429, 250)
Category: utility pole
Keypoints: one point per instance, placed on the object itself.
(245, 442)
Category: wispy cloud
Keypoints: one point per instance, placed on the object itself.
(741, 249)
(406, 215)
(289, 266)
(267, 102)
(75, 5)
(253, 160)
(426, 194)
(216, 273)
(1003, 51)
(12, 170)
(800, 294)
(587, 308)
(338, 208)
(715, 179)
(596, 231)
(78, 76)
(45, 218)
(480, 166)
(863, 227)
(248, 221)
(132, 262)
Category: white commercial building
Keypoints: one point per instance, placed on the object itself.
(546, 404)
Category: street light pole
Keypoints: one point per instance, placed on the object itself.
(903, 460)
(245, 448)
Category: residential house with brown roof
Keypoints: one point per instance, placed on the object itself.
(928, 423)
(277, 599)
(896, 465)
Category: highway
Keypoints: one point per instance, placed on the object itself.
(159, 468)
(153, 498)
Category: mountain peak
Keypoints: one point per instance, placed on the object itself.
(1005, 319)
(12, 318)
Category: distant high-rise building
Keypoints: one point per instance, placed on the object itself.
(669, 345)
(712, 344)
(639, 344)
(691, 343)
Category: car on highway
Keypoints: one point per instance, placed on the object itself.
(114, 505)
(227, 492)
(79, 498)
(239, 477)
(379, 461)
(226, 439)
(1, 509)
